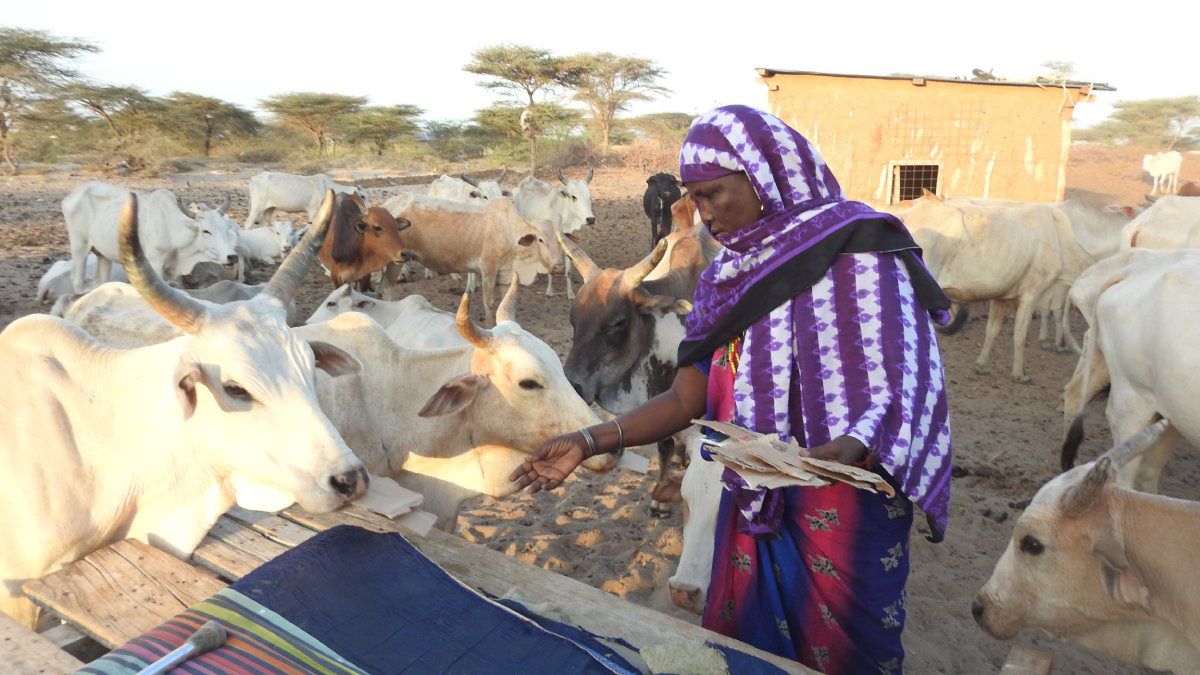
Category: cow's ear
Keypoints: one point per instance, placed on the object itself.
(334, 360)
(661, 304)
(365, 303)
(650, 180)
(1123, 583)
(454, 396)
(187, 376)
(527, 240)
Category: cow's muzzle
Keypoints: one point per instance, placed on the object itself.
(231, 260)
(351, 484)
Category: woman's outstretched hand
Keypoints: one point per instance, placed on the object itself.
(547, 468)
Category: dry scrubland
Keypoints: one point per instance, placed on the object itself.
(598, 529)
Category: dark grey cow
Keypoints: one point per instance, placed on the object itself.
(662, 190)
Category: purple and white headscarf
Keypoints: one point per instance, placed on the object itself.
(751, 289)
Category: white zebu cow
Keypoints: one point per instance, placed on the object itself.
(412, 321)
(566, 206)
(174, 239)
(1170, 222)
(109, 305)
(701, 493)
(156, 443)
(489, 397)
(289, 193)
(465, 189)
(998, 254)
(451, 422)
(1135, 303)
(1164, 168)
(268, 244)
(56, 282)
(493, 241)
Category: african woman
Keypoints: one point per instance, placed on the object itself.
(815, 323)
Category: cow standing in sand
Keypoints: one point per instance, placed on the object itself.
(361, 241)
(156, 443)
(567, 206)
(1164, 168)
(174, 239)
(289, 193)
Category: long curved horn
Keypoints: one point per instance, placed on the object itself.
(290, 275)
(1082, 496)
(224, 207)
(503, 173)
(507, 309)
(467, 179)
(1137, 444)
(561, 177)
(634, 276)
(183, 208)
(466, 328)
(591, 172)
(582, 261)
(181, 309)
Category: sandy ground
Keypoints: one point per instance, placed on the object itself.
(598, 529)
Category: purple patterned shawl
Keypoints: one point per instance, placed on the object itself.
(803, 206)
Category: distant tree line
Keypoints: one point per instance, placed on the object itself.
(49, 111)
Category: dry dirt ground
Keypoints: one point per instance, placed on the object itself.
(598, 529)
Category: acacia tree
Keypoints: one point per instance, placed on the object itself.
(523, 72)
(1152, 123)
(608, 84)
(380, 125)
(33, 66)
(203, 120)
(313, 113)
(125, 110)
(500, 123)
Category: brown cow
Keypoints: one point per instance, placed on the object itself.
(684, 215)
(1189, 189)
(361, 241)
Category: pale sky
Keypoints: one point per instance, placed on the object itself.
(413, 52)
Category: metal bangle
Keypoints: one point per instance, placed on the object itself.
(620, 434)
(587, 436)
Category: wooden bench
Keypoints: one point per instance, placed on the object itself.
(24, 652)
(120, 592)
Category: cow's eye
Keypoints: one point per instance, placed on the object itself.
(378, 229)
(562, 194)
(1031, 545)
(531, 384)
(331, 303)
(206, 232)
(574, 198)
(234, 390)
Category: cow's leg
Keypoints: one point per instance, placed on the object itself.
(994, 323)
(1024, 315)
(79, 254)
(253, 214)
(667, 488)
(1127, 415)
(549, 284)
(103, 270)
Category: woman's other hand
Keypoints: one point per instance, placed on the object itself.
(547, 468)
(844, 449)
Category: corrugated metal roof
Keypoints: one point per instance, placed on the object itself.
(1070, 84)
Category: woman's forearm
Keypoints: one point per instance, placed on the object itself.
(668, 413)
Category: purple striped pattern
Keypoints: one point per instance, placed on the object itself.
(853, 355)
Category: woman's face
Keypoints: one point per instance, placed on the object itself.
(726, 204)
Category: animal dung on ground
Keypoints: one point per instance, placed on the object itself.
(764, 461)
(387, 498)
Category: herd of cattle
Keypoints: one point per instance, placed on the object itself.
(161, 353)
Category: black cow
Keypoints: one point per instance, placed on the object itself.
(661, 192)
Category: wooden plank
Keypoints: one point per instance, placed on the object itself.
(24, 652)
(497, 574)
(121, 591)
(233, 550)
(271, 526)
(1027, 661)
